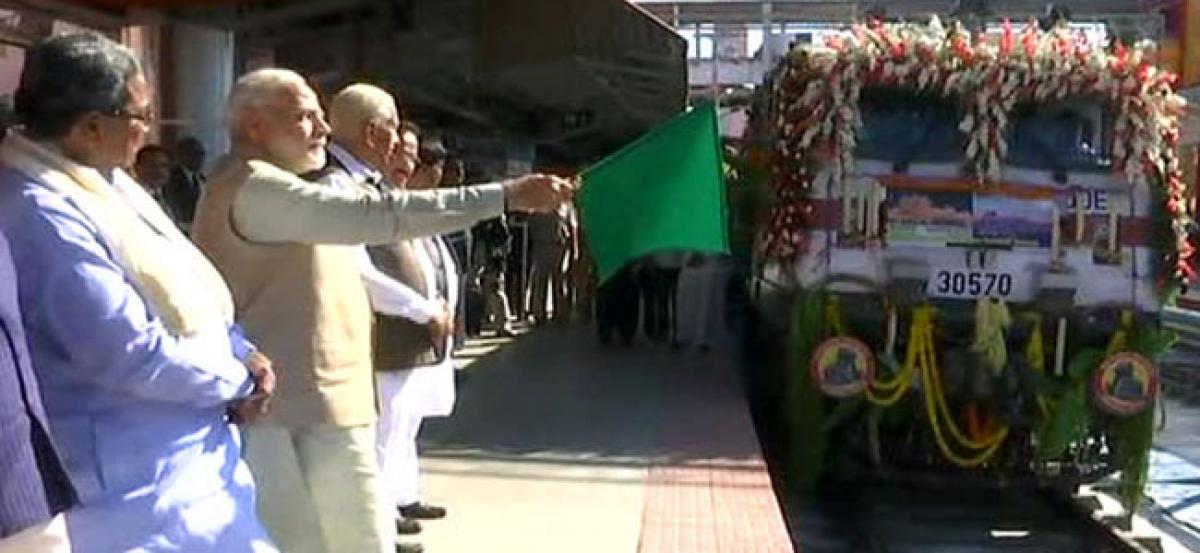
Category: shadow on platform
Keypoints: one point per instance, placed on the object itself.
(556, 396)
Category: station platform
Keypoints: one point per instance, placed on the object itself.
(556, 445)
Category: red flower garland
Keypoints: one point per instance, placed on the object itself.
(816, 113)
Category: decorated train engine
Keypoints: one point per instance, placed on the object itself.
(974, 233)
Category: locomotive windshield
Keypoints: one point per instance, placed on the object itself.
(906, 128)
(1059, 137)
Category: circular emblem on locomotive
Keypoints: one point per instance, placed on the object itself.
(842, 366)
(1125, 384)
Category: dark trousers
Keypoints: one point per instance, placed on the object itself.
(618, 304)
(658, 286)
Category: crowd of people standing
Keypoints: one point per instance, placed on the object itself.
(239, 359)
(676, 299)
(204, 375)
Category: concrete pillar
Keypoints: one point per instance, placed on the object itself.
(202, 72)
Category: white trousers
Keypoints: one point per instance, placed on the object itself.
(700, 303)
(318, 488)
(47, 537)
(399, 423)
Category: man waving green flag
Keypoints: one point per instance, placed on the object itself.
(664, 191)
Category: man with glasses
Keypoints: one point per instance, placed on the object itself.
(431, 159)
(291, 250)
(187, 179)
(413, 286)
(130, 329)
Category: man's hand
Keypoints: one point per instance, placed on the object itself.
(441, 325)
(250, 408)
(537, 192)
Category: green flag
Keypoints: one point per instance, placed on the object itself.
(664, 191)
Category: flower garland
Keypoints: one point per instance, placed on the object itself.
(816, 112)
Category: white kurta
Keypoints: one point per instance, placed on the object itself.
(700, 302)
(427, 390)
(408, 396)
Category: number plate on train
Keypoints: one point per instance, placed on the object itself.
(972, 284)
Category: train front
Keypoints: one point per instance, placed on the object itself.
(974, 233)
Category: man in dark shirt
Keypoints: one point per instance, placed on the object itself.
(34, 487)
(187, 180)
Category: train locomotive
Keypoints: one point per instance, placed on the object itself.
(968, 240)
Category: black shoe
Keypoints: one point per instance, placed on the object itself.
(410, 548)
(408, 526)
(422, 511)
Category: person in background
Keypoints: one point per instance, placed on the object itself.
(152, 169)
(430, 165)
(291, 250)
(617, 305)
(34, 487)
(551, 237)
(408, 134)
(413, 285)
(491, 245)
(130, 329)
(187, 179)
(583, 279)
(433, 153)
(701, 299)
(454, 173)
(659, 281)
(453, 176)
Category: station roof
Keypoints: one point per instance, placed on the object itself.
(579, 76)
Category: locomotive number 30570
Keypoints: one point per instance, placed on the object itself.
(973, 283)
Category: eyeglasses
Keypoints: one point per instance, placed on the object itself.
(146, 117)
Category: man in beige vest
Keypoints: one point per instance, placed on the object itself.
(290, 251)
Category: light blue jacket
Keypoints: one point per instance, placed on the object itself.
(139, 414)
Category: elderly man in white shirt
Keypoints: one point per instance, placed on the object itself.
(412, 285)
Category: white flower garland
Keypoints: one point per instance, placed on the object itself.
(817, 99)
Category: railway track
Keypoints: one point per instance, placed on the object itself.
(933, 513)
(887, 517)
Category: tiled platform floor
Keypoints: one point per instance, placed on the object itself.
(558, 446)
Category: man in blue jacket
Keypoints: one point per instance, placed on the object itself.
(34, 488)
(130, 328)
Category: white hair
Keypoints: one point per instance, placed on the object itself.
(257, 87)
(357, 105)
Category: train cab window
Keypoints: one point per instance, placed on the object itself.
(905, 128)
(1060, 137)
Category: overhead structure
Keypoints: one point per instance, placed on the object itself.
(568, 79)
(571, 78)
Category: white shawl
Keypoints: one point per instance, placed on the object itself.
(174, 278)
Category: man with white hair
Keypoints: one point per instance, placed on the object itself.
(290, 252)
(408, 322)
